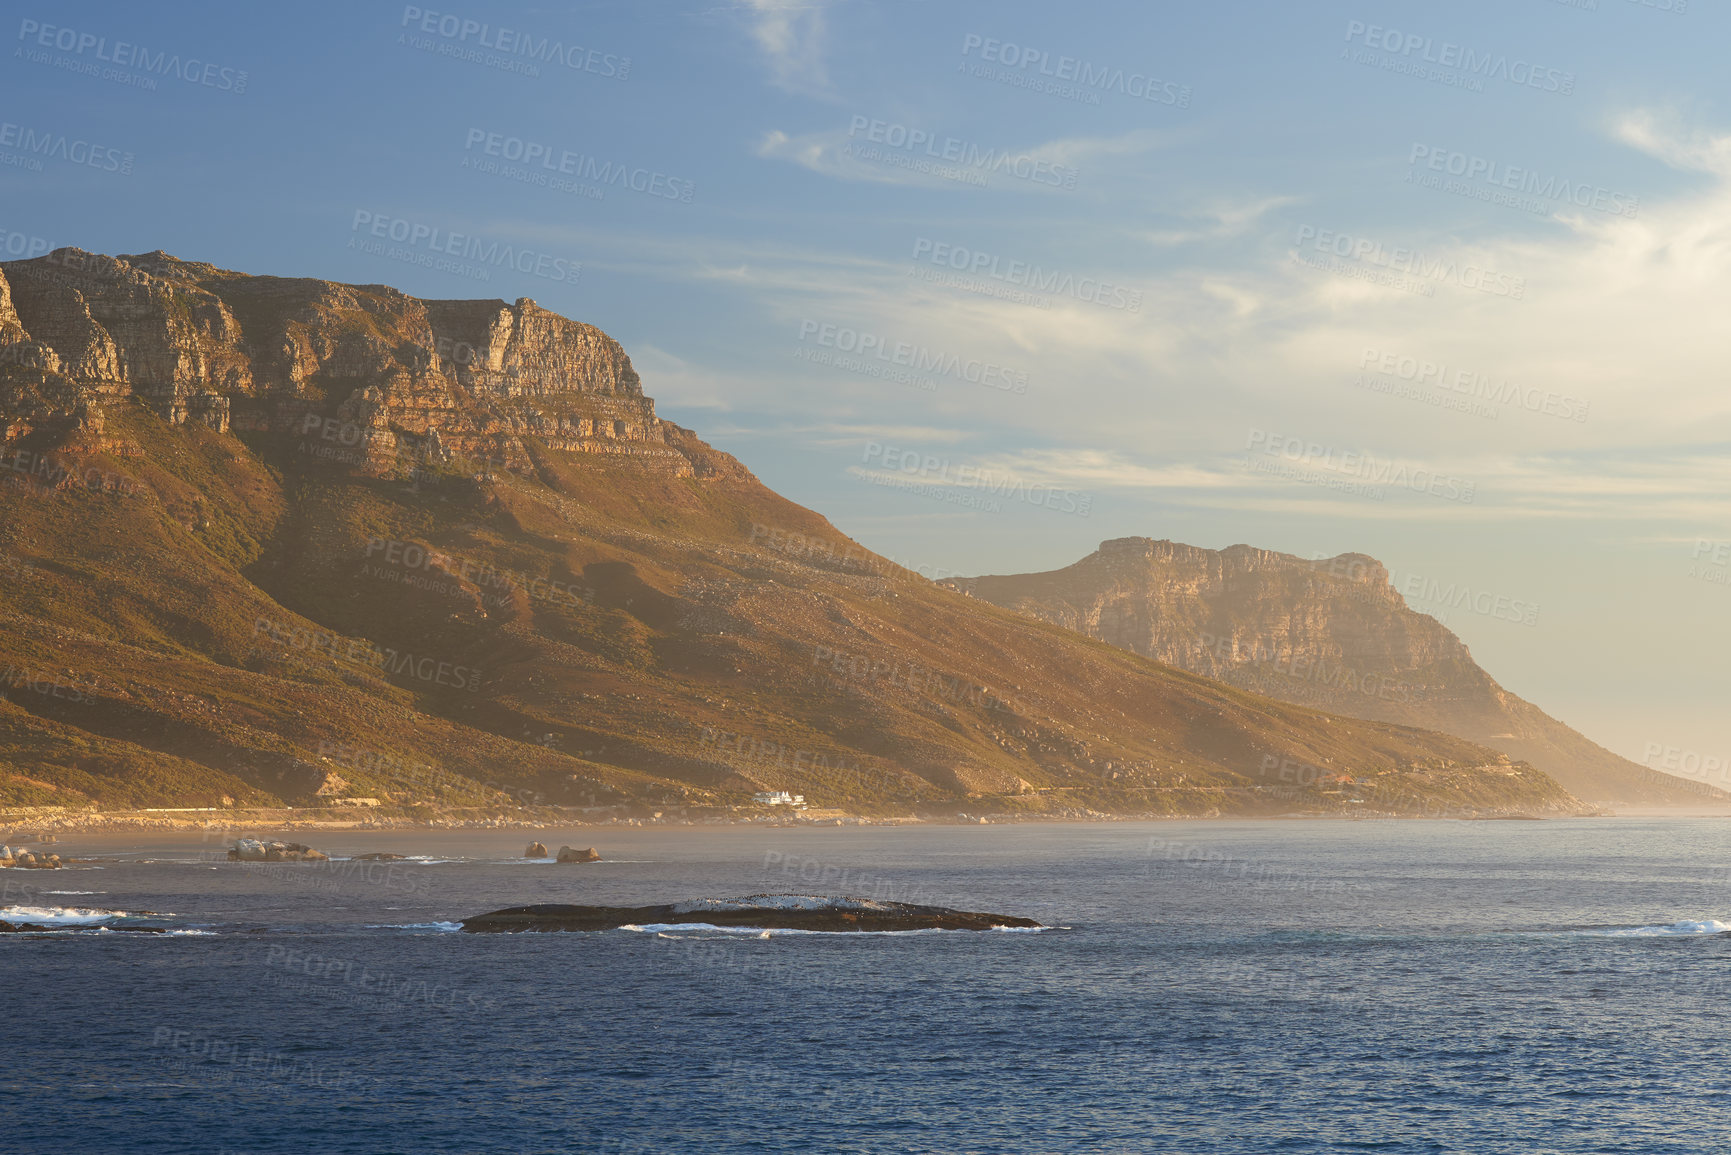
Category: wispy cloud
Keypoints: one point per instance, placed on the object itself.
(1222, 220)
(792, 36)
(1661, 135)
(946, 160)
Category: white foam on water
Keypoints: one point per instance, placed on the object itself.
(58, 915)
(442, 926)
(1686, 927)
(75, 892)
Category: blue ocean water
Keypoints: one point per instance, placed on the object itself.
(1481, 987)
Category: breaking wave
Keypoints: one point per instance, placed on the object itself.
(1686, 927)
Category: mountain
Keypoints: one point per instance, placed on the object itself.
(1331, 634)
(272, 539)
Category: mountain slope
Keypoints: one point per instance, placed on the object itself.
(1332, 634)
(270, 539)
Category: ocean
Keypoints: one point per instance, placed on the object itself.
(1280, 986)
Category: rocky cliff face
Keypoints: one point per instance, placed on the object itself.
(384, 381)
(1331, 634)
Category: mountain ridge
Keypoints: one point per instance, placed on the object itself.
(283, 539)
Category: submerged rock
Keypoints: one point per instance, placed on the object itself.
(765, 911)
(379, 856)
(572, 854)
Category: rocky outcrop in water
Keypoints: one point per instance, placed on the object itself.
(28, 859)
(254, 850)
(763, 911)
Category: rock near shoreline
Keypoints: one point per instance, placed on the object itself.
(28, 859)
(254, 850)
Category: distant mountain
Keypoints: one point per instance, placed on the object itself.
(1332, 634)
(270, 539)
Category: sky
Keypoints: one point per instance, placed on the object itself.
(989, 283)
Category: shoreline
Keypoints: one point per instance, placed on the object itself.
(18, 823)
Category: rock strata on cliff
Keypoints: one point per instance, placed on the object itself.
(384, 382)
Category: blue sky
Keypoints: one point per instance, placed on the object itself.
(1303, 276)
